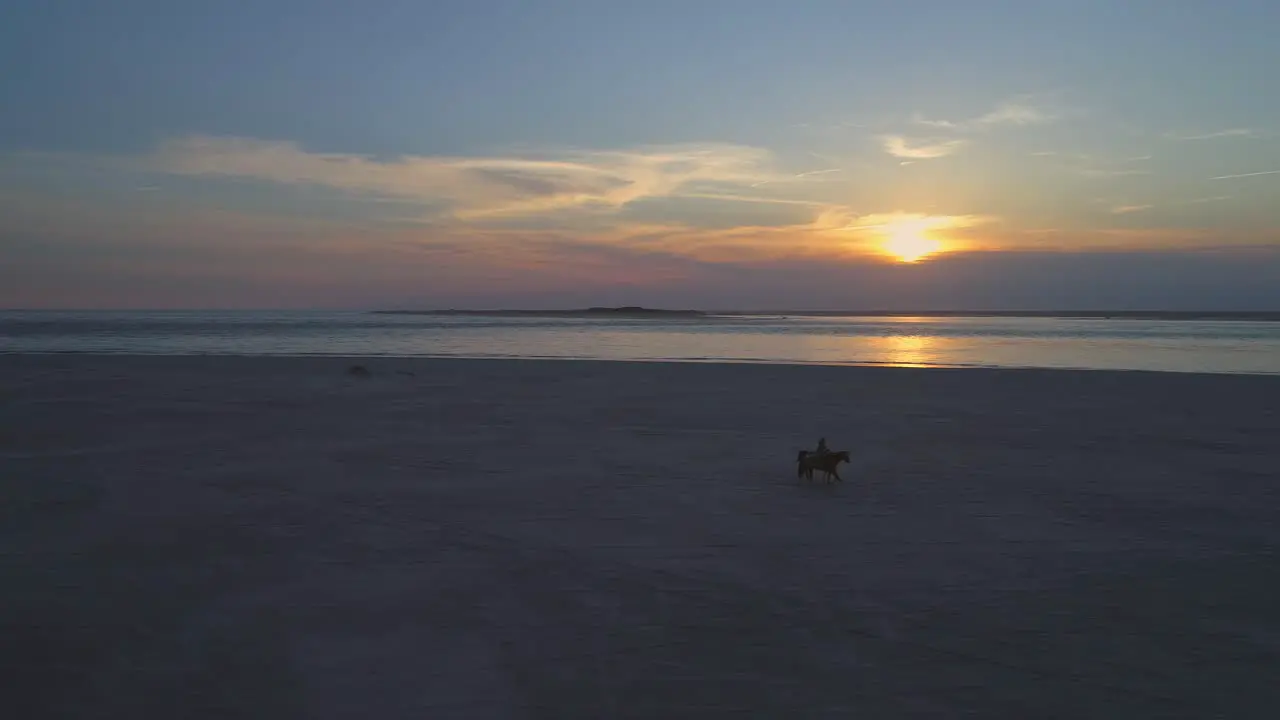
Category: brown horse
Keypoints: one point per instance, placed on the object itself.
(828, 463)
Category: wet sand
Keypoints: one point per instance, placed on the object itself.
(210, 537)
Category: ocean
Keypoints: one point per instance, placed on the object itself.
(1212, 346)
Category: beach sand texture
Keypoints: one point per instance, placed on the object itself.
(211, 537)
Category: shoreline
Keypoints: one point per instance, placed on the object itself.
(646, 361)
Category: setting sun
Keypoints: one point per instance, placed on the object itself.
(909, 238)
(909, 241)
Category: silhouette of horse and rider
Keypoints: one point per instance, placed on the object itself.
(822, 460)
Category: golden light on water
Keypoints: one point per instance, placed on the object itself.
(906, 350)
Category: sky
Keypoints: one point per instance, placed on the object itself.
(726, 154)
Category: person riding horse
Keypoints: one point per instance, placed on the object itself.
(821, 459)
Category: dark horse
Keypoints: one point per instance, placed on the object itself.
(808, 461)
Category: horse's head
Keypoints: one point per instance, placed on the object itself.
(842, 456)
(801, 456)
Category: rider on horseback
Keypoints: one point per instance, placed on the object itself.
(822, 459)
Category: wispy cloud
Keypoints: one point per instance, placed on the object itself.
(919, 149)
(1014, 113)
(1010, 113)
(799, 176)
(920, 222)
(1246, 175)
(1101, 167)
(473, 188)
(918, 119)
(1094, 172)
(1126, 209)
(1019, 112)
(756, 199)
(1228, 133)
(838, 125)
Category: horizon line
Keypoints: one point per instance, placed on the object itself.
(657, 312)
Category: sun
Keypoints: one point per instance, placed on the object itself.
(908, 240)
(910, 237)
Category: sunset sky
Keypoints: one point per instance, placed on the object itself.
(716, 153)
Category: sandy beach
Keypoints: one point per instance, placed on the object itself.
(208, 537)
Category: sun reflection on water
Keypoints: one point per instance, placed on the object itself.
(907, 350)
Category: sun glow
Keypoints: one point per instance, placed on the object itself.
(910, 237)
(908, 240)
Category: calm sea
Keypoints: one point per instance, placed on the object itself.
(1129, 344)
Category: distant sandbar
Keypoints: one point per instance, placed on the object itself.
(643, 312)
(628, 311)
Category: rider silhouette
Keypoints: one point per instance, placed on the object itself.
(822, 447)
